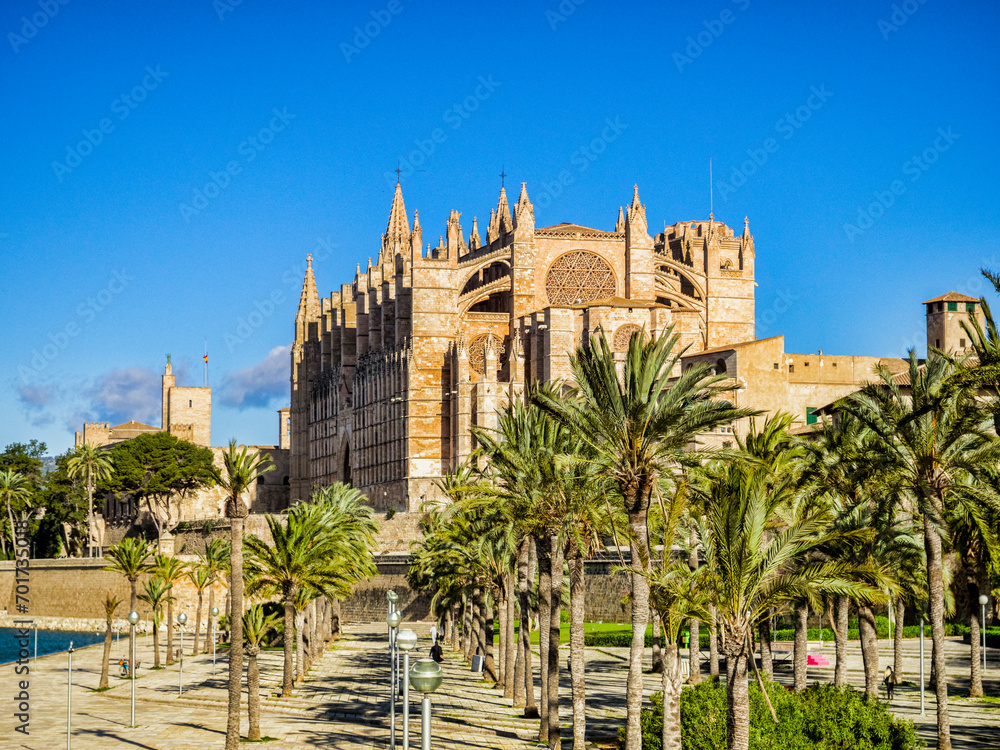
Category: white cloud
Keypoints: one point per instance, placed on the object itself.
(260, 385)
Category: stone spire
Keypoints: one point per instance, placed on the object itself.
(308, 302)
(637, 211)
(620, 224)
(397, 233)
(524, 217)
(474, 239)
(416, 236)
(500, 222)
(746, 226)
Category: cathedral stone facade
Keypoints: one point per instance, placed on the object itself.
(390, 372)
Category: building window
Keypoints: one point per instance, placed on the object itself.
(190, 404)
(775, 365)
(727, 444)
(937, 343)
(970, 307)
(811, 417)
(961, 343)
(806, 364)
(952, 307)
(791, 368)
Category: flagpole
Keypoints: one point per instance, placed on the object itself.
(206, 363)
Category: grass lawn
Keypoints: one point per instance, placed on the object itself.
(589, 627)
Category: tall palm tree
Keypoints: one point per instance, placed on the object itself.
(255, 628)
(156, 593)
(131, 558)
(937, 441)
(324, 546)
(14, 488)
(239, 472)
(93, 465)
(110, 605)
(201, 579)
(753, 571)
(215, 559)
(637, 426)
(170, 570)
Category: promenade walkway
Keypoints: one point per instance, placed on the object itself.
(343, 702)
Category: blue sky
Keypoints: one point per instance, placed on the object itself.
(168, 166)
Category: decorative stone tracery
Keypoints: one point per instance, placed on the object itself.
(623, 335)
(578, 277)
(477, 352)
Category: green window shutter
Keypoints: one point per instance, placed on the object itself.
(811, 417)
(970, 307)
(952, 307)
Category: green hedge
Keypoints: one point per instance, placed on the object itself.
(822, 716)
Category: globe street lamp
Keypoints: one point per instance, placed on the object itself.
(393, 621)
(181, 620)
(406, 640)
(983, 600)
(215, 613)
(425, 677)
(133, 618)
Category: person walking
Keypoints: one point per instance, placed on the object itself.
(434, 634)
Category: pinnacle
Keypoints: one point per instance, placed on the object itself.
(399, 225)
(523, 198)
(635, 196)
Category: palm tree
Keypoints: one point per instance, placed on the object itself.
(753, 571)
(324, 546)
(110, 605)
(937, 442)
(94, 465)
(130, 557)
(215, 560)
(255, 628)
(201, 579)
(170, 570)
(156, 593)
(14, 487)
(636, 427)
(239, 473)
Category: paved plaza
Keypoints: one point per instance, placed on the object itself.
(344, 701)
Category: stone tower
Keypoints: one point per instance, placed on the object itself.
(945, 315)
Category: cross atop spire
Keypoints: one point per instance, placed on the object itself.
(503, 175)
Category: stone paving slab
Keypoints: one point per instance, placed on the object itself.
(343, 703)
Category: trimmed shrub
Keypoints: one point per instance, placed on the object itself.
(822, 716)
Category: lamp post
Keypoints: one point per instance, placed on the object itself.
(406, 640)
(425, 677)
(983, 600)
(215, 613)
(181, 620)
(922, 665)
(133, 618)
(69, 699)
(393, 621)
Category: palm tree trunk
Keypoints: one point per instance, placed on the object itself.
(335, 617)
(90, 516)
(840, 633)
(522, 588)
(489, 660)
(197, 623)
(253, 697)
(107, 656)
(935, 590)
(170, 630)
(737, 702)
(671, 698)
(766, 657)
(300, 645)
(657, 660)
(555, 623)
(467, 628)
(897, 645)
(801, 653)
(235, 627)
(639, 551)
(525, 575)
(713, 646)
(287, 640)
(453, 626)
(869, 648)
(577, 605)
(314, 649)
(156, 643)
(976, 681)
(543, 545)
(510, 656)
(694, 652)
(501, 664)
